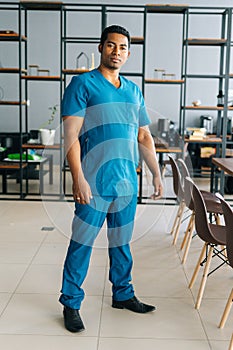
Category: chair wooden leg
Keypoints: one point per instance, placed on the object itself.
(186, 250)
(186, 234)
(226, 310)
(197, 268)
(217, 218)
(178, 224)
(176, 218)
(231, 343)
(163, 170)
(204, 277)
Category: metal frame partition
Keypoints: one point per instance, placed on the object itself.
(105, 11)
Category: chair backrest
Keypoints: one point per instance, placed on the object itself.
(228, 217)
(201, 216)
(177, 183)
(184, 169)
(187, 193)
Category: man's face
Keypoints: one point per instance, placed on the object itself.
(115, 51)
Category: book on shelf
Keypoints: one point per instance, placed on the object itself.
(197, 133)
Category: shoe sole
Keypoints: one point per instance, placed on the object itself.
(120, 306)
(116, 306)
(75, 330)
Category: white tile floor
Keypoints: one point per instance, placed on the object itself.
(30, 278)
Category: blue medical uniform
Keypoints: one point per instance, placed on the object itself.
(109, 156)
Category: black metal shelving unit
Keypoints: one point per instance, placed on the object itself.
(223, 75)
(20, 102)
(25, 8)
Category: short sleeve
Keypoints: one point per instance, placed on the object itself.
(74, 100)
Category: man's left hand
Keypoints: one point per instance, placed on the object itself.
(158, 188)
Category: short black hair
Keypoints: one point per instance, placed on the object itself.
(114, 29)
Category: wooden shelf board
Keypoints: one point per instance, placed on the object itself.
(12, 70)
(166, 8)
(40, 146)
(41, 77)
(164, 81)
(205, 41)
(41, 5)
(75, 71)
(206, 139)
(137, 40)
(12, 103)
(210, 108)
(169, 149)
(11, 37)
(8, 165)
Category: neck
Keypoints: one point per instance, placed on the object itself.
(112, 75)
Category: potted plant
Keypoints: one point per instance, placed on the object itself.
(48, 134)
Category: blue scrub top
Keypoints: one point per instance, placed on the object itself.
(108, 138)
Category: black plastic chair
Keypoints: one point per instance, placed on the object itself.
(212, 235)
(231, 343)
(228, 217)
(213, 206)
(184, 198)
(179, 192)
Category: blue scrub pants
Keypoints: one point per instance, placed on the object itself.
(88, 220)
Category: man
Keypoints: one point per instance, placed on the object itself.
(107, 113)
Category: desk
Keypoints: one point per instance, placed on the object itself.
(161, 150)
(225, 164)
(202, 163)
(27, 146)
(14, 164)
(4, 167)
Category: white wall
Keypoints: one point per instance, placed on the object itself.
(163, 51)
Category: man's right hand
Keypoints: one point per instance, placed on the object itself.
(81, 190)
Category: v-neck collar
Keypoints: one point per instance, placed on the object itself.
(108, 82)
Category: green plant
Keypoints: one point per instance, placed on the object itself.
(53, 110)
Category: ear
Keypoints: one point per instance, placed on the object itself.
(100, 48)
(128, 54)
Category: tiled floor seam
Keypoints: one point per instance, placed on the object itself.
(102, 303)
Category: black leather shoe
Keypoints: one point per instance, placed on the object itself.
(72, 320)
(134, 305)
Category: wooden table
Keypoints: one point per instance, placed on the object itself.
(27, 146)
(12, 164)
(4, 168)
(226, 165)
(160, 150)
